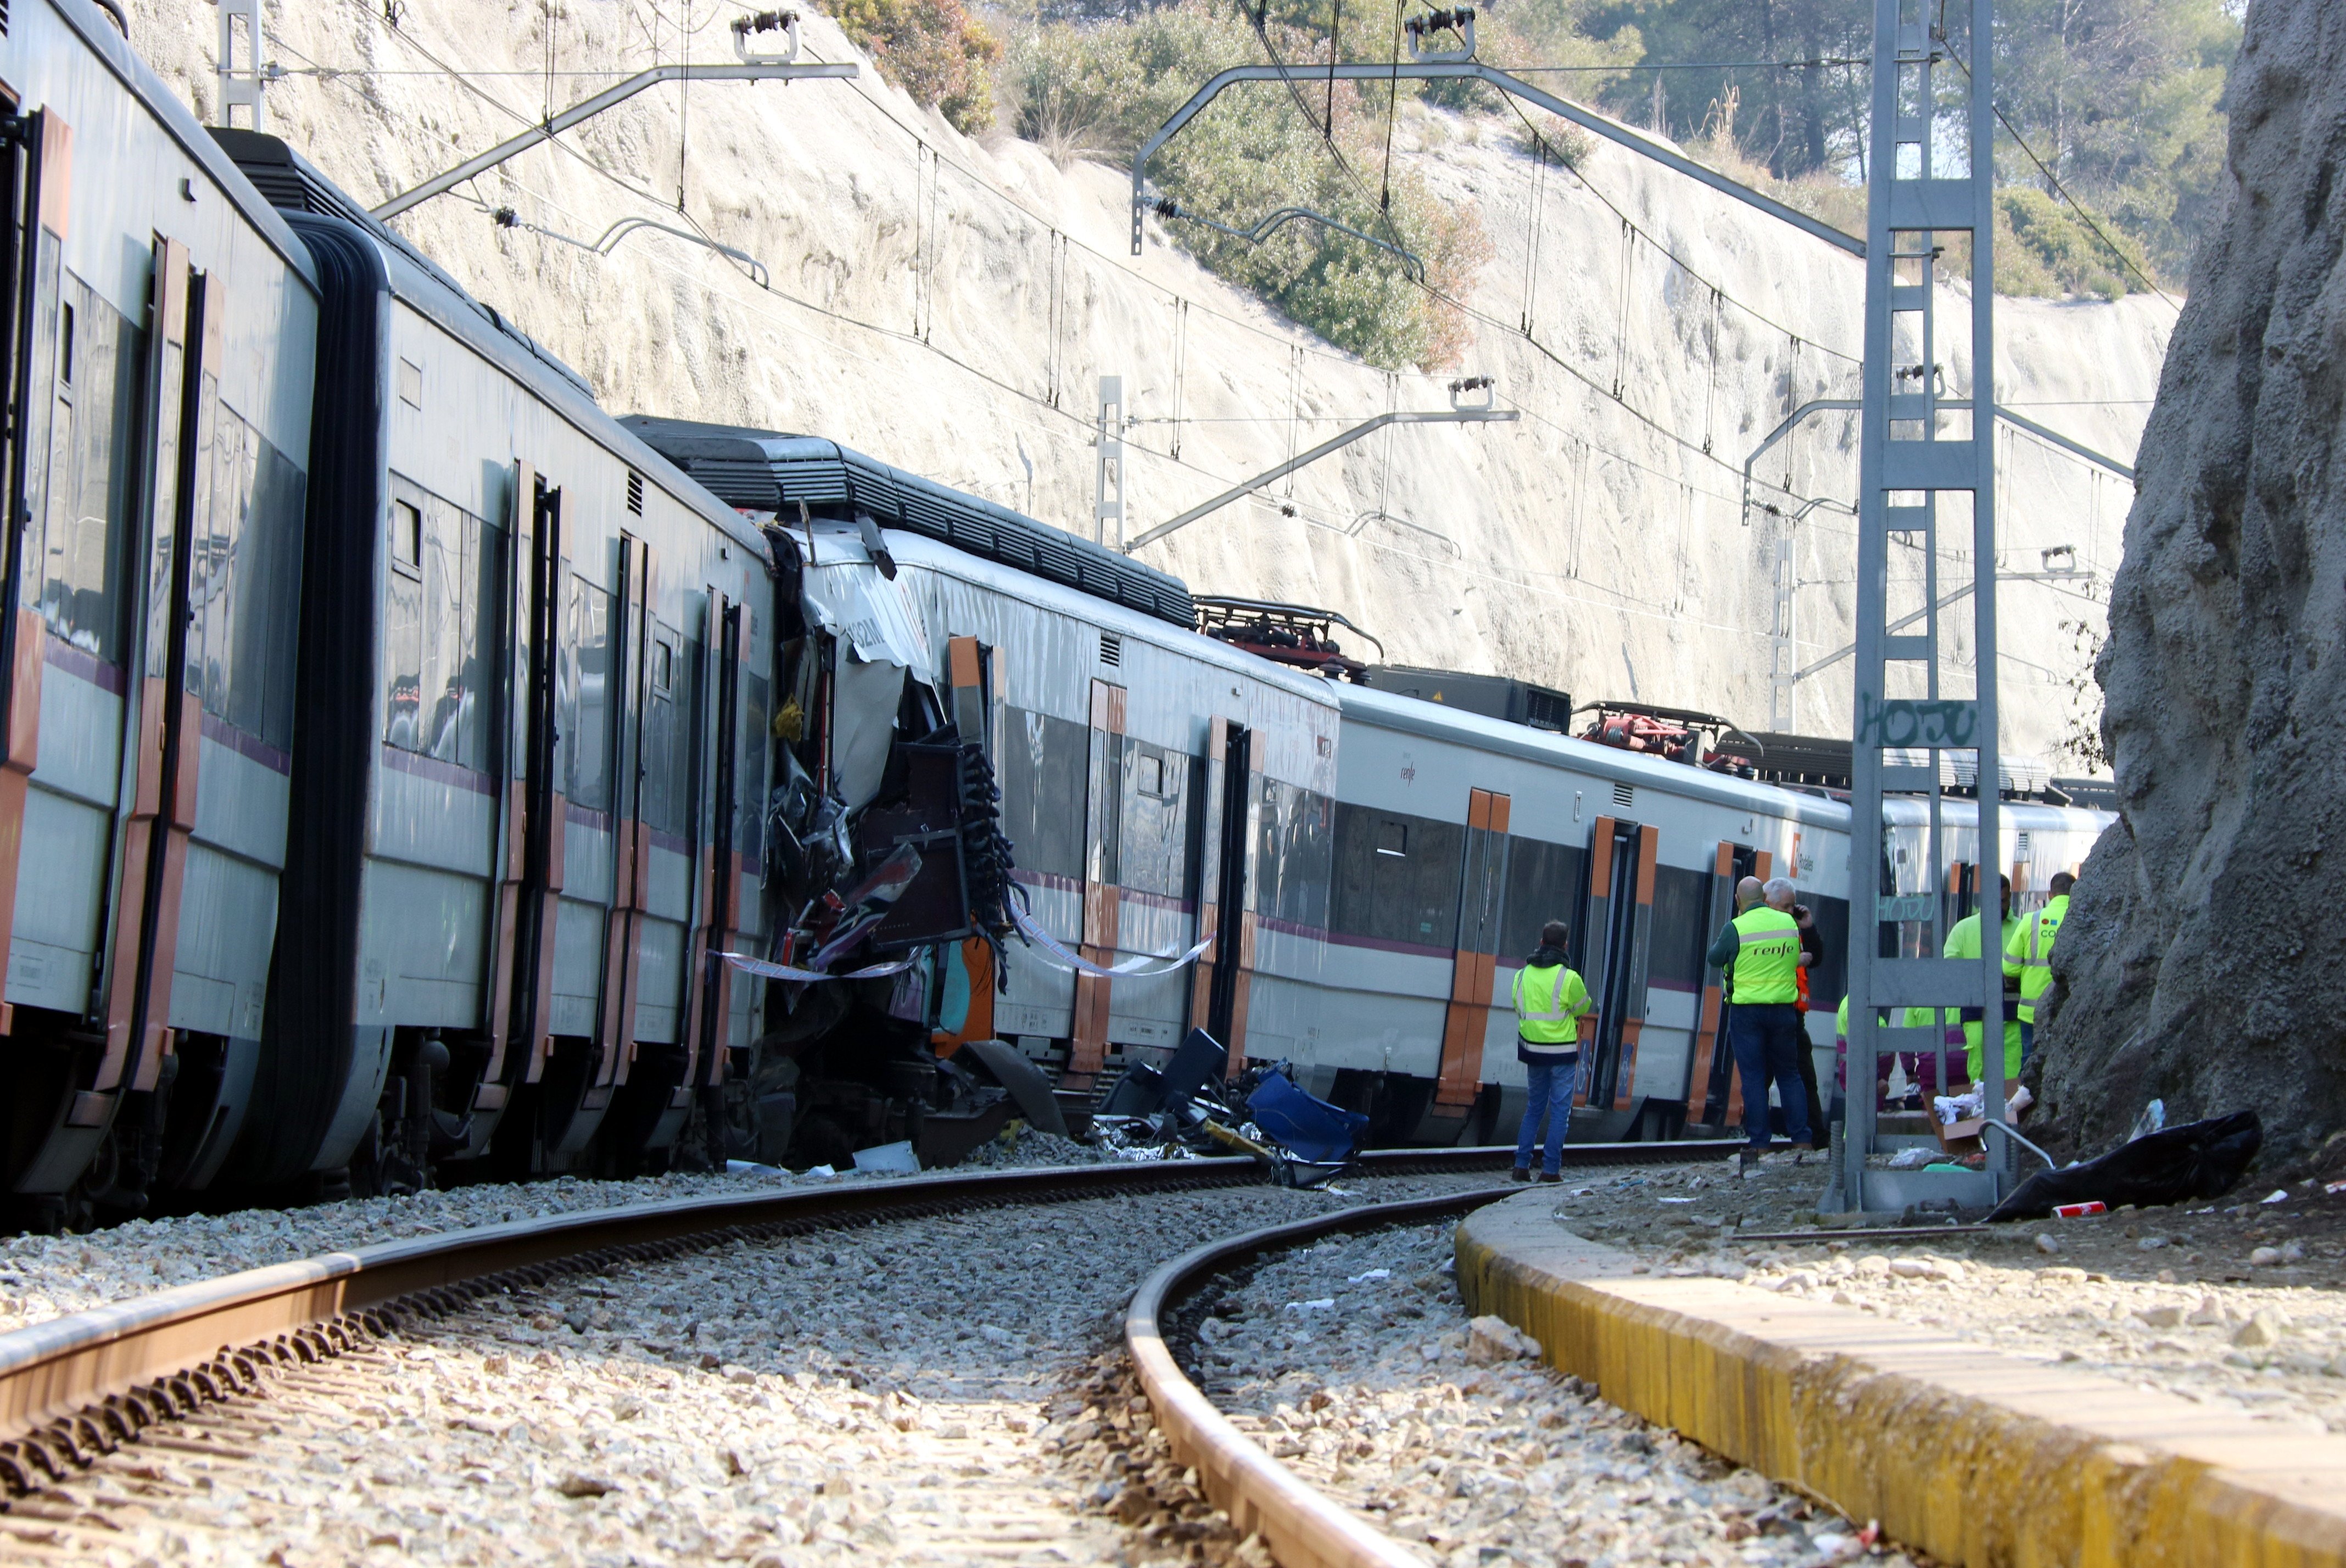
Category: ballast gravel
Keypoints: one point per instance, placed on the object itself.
(918, 1390)
(1353, 1361)
(44, 1276)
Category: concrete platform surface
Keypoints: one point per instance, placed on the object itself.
(1974, 1456)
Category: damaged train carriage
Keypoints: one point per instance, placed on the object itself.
(529, 763)
(1156, 790)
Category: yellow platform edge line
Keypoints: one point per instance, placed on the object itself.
(1966, 1453)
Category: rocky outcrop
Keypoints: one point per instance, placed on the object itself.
(2205, 956)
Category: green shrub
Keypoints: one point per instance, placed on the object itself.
(933, 49)
(1101, 89)
(2044, 248)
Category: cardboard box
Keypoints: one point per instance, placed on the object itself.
(1960, 1137)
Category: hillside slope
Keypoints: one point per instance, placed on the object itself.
(949, 305)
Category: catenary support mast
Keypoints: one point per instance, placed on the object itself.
(1929, 225)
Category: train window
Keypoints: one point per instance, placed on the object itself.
(76, 549)
(1408, 894)
(663, 669)
(585, 700)
(65, 344)
(411, 383)
(1044, 764)
(1546, 881)
(407, 537)
(1681, 906)
(1152, 777)
(1294, 856)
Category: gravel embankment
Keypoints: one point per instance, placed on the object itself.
(924, 1389)
(2235, 1303)
(1354, 1362)
(44, 1276)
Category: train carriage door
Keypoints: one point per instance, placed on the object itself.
(720, 870)
(1474, 964)
(1618, 934)
(1711, 1072)
(574, 1108)
(1227, 848)
(164, 769)
(632, 843)
(1207, 880)
(530, 875)
(969, 677)
(35, 187)
(1103, 893)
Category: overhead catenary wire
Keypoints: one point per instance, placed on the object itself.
(1296, 347)
(1939, 31)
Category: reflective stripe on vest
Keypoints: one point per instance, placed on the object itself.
(1558, 1023)
(1767, 957)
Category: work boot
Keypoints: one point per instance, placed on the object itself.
(1523, 1172)
(1833, 1202)
(1552, 1175)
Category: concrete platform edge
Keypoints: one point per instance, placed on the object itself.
(1972, 1455)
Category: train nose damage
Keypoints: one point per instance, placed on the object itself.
(888, 868)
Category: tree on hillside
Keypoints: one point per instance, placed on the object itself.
(2119, 97)
(2119, 100)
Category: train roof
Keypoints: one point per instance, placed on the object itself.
(98, 34)
(299, 188)
(763, 470)
(911, 549)
(1439, 721)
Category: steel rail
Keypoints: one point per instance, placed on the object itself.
(1500, 1156)
(94, 1378)
(1303, 1526)
(85, 1382)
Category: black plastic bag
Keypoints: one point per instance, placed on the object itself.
(2198, 1159)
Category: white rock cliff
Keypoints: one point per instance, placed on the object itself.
(949, 305)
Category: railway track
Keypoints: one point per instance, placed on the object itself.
(120, 1422)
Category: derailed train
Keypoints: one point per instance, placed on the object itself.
(396, 745)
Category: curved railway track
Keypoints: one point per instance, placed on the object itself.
(1304, 1527)
(77, 1388)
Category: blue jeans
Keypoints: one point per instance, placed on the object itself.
(1768, 1039)
(2027, 1041)
(1550, 1085)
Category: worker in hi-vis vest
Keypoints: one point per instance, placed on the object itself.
(1762, 946)
(1966, 940)
(2028, 955)
(1550, 1003)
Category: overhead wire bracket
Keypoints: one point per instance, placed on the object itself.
(1433, 68)
(1484, 414)
(554, 125)
(1166, 208)
(506, 218)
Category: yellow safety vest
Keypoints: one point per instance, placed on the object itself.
(1963, 942)
(2029, 952)
(1767, 957)
(1549, 1001)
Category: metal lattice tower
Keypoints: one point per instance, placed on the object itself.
(1927, 445)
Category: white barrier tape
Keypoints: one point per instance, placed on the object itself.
(759, 966)
(1131, 968)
